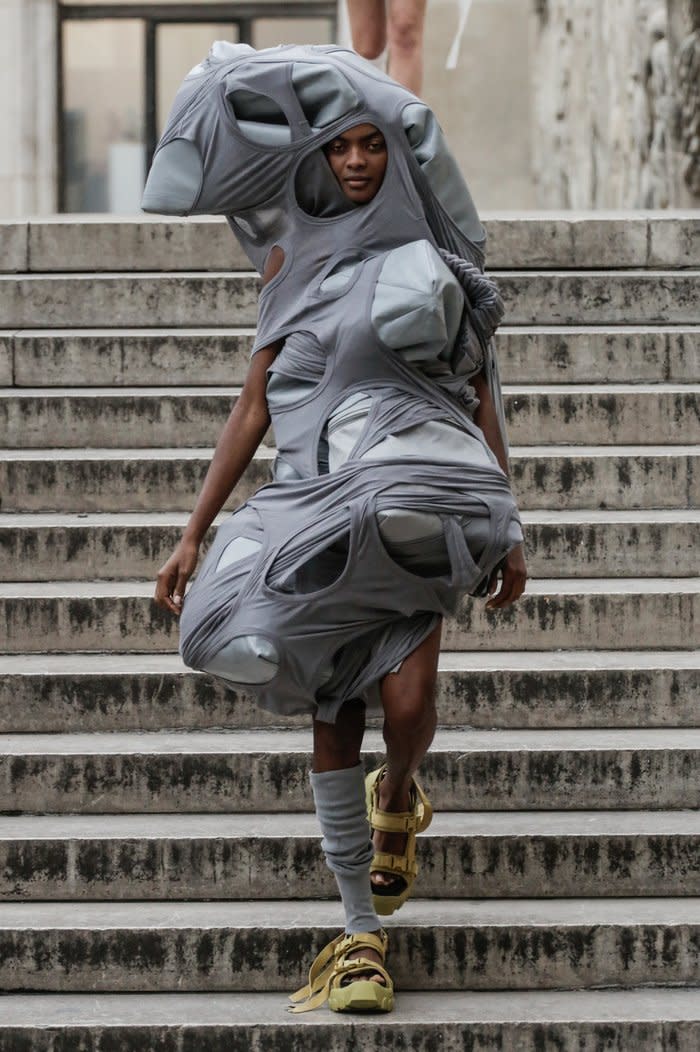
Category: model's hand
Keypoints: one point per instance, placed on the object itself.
(514, 576)
(174, 575)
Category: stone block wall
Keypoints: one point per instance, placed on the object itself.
(616, 109)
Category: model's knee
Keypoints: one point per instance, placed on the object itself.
(337, 745)
(413, 708)
(369, 41)
(405, 32)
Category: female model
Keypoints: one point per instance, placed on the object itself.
(358, 159)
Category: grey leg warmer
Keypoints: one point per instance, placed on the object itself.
(339, 797)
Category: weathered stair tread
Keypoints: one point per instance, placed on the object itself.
(192, 391)
(270, 856)
(179, 518)
(630, 613)
(230, 297)
(264, 825)
(168, 453)
(257, 770)
(238, 330)
(45, 546)
(88, 664)
(143, 417)
(439, 945)
(542, 586)
(110, 692)
(293, 914)
(180, 1010)
(574, 238)
(165, 478)
(284, 742)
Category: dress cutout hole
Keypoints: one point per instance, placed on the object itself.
(260, 119)
(236, 550)
(319, 571)
(273, 264)
(340, 275)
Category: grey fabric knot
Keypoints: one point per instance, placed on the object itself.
(484, 311)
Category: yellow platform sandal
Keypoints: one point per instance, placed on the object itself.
(391, 897)
(332, 966)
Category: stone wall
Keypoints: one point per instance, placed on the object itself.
(28, 107)
(607, 103)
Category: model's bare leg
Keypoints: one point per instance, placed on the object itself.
(337, 745)
(367, 27)
(410, 717)
(405, 21)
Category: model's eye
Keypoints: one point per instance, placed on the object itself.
(376, 145)
(337, 147)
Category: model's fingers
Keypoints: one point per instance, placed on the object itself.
(164, 581)
(511, 589)
(179, 590)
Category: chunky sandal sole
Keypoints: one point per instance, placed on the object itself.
(362, 995)
(326, 977)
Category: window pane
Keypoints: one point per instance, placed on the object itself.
(103, 116)
(179, 48)
(269, 32)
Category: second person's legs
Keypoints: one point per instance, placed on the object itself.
(405, 21)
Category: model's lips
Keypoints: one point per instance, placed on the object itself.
(358, 180)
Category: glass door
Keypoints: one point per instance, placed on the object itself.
(103, 119)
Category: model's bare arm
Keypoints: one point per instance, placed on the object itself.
(512, 568)
(241, 436)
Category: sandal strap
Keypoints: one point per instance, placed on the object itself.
(414, 821)
(331, 962)
(396, 821)
(322, 964)
(399, 865)
(355, 965)
(363, 941)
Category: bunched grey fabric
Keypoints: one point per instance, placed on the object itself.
(339, 801)
(388, 504)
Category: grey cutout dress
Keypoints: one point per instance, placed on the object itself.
(387, 505)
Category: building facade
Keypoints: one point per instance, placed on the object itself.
(551, 104)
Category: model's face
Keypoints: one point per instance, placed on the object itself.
(358, 158)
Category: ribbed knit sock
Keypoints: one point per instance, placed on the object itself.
(339, 797)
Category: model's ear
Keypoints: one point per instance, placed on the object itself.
(175, 179)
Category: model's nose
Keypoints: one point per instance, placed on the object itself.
(356, 159)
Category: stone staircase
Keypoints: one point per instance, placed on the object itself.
(161, 880)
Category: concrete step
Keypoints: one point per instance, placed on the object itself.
(646, 1020)
(536, 297)
(56, 547)
(544, 478)
(584, 613)
(567, 239)
(462, 945)
(255, 771)
(527, 354)
(154, 692)
(267, 856)
(143, 417)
